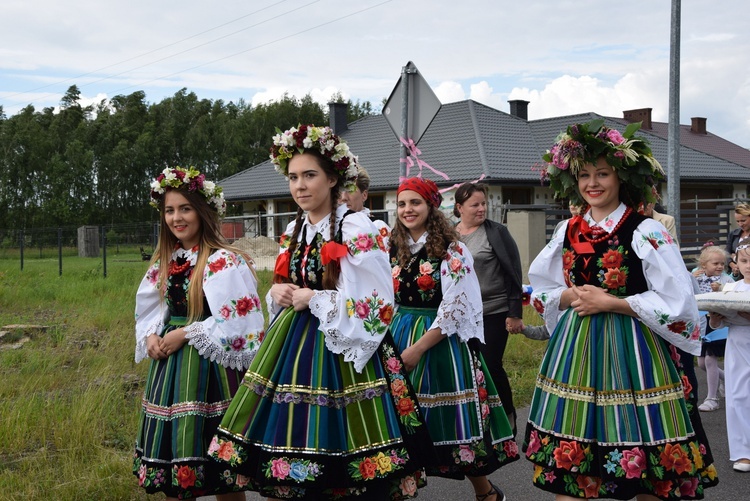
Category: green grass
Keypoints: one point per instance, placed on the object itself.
(69, 398)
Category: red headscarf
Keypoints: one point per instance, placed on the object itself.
(426, 189)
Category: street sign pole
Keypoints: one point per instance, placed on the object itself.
(405, 77)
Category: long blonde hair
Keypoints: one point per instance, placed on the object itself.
(210, 241)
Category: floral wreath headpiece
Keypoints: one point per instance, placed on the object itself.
(320, 139)
(193, 180)
(629, 156)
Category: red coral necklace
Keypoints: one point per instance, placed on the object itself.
(628, 211)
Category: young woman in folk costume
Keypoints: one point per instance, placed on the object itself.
(325, 410)
(611, 415)
(198, 319)
(438, 327)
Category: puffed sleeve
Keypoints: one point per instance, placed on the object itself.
(150, 311)
(356, 316)
(232, 334)
(547, 279)
(668, 308)
(460, 311)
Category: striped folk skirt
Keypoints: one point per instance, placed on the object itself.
(305, 424)
(609, 416)
(466, 419)
(185, 398)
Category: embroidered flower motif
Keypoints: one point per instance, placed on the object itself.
(687, 388)
(615, 278)
(185, 476)
(677, 327)
(426, 283)
(589, 485)
(299, 470)
(674, 458)
(380, 465)
(633, 462)
(534, 444)
(425, 268)
(569, 455)
(218, 265)
(569, 259)
(375, 313)
(538, 306)
(611, 259)
(408, 486)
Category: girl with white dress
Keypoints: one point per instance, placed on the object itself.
(737, 368)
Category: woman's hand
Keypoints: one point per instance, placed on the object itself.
(698, 272)
(513, 325)
(411, 357)
(591, 300)
(715, 319)
(301, 298)
(153, 347)
(282, 294)
(173, 341)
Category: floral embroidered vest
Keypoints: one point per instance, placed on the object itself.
(612, 266)
(306, 267)
(418, 283)
(177, 289)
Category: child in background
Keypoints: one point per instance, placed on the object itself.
(737, 368)
(711, 276)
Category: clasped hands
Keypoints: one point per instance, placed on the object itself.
(162, 347)
(286, 295)
(589, 300)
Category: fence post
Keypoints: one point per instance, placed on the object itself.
(20, 242)
(104, 249)
(59, 248)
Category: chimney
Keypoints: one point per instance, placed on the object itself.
(337, 117)
(640, 115)
(698, 125)
(519, 108)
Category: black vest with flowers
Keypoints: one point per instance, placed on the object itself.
(305, 265)
(418, 283)
(612, 266)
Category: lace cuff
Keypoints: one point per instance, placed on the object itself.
(325, 306)
(198, 337)
(458, 315)
(140, 344)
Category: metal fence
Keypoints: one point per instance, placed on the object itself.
(258, 234)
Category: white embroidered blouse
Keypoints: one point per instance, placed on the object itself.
(232, 334)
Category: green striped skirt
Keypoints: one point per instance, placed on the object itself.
(185, 398)
(467, 423)
(609, 417)
(305, 424)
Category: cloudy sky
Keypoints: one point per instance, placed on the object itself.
(563, 56)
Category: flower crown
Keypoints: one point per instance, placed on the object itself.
(320, 139)
(177, 177)
(629, 156)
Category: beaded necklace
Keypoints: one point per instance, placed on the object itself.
(627, 213)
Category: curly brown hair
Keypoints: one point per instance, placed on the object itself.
(440, 235)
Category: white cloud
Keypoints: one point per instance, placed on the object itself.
(450, 92)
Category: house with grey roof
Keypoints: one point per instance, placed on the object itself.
(467, 141)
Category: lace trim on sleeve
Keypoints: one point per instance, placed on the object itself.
(140, 344)
(458, 316)
(197, 337)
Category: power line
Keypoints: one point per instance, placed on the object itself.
(144, 54)
(256, 47)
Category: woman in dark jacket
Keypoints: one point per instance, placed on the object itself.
(498, 267)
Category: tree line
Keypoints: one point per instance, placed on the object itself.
(80, 165)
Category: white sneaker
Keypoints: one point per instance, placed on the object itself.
(742, 465)
(709, 405)
(722, 390)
